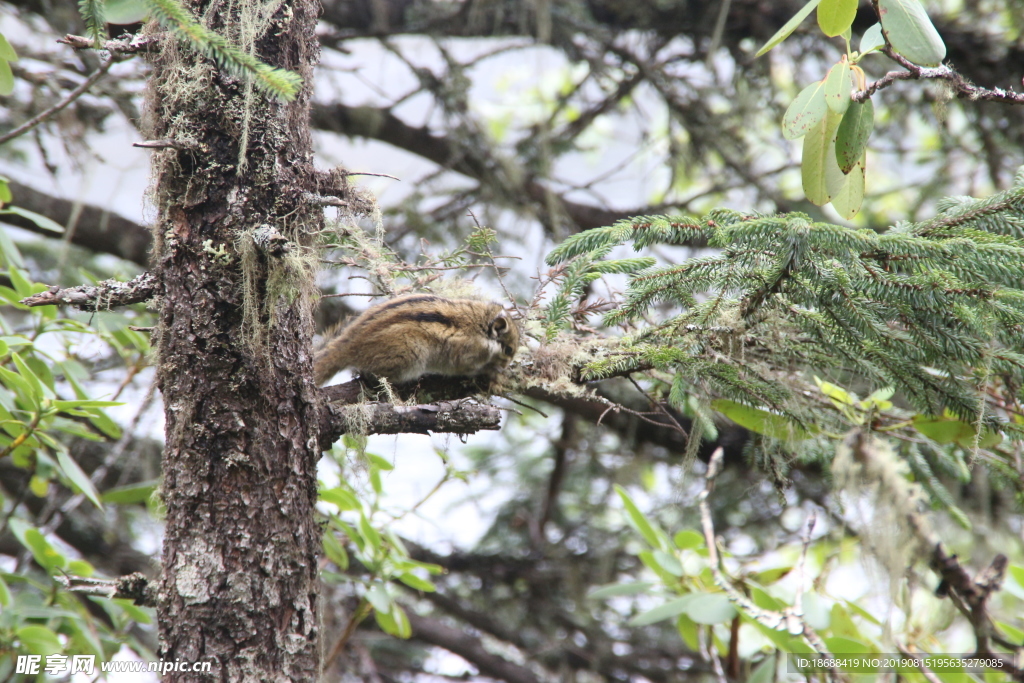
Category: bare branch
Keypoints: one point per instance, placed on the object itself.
(135, 587)
(103, 296)
(959, 84)
(71, 97)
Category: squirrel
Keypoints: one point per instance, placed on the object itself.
(422, 334)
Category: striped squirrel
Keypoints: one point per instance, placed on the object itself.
(422, 334)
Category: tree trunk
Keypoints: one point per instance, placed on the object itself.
(239, 586)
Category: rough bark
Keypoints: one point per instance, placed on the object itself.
(239, 587)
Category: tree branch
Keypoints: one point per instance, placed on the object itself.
(91, 227)
(454, 417)
(104, 296)
(959, 84)
(135, 587)
(469, 648)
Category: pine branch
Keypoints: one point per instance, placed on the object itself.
(174, 17)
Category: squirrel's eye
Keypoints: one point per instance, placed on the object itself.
(507, 350)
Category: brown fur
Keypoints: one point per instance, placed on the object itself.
(422, 334)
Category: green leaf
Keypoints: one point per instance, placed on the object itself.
(848, 199)
(379, 598)
(131, 494)
(760, 421)
(416, 583)
(39, 219)
(9, 251)
(5, 188)
(380, 462)
(711, 608)
(614, 590)
(806, 111)
(763, 672)
(688, 539)
(836, 16)
(403, 629)
(910, 32)
(84, 402)
(121, 12)
(819, 164)
(79, 478)
(341, 497)
(5, 593)
(640, 522)
(21, 283)
(335, 551)
(669, 610)
(838, 86)
(853, 134)
(368, 533)
(944, 430)
(44, 553)
(769, 576)
(39, 640)
(788, 28)
(6, 78)
(668, 562)
(872, 39)
(6, 51)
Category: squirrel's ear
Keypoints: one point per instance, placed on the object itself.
(500, 324)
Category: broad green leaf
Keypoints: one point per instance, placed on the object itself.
(805, 112)
(79, 478)
(416, 583)
(15, 381)
(838, 86)
(342, 498)
(640, 522)
(614, 590)
(836, 16)
(839, 396)
(689, 631)
(80, 568)
(335, 551)
(9, 251)
(22, 285)
(840, 646)
(763, 600)
(950, 430)
(668, 562)
(380, 462)
(788, 28)
(1015, 634)
(5, 593)
(910, 32)
(131, 493)
(123, 12)
(669, 610)
(6, 78)
(687, 539)
(769, 576)
(403, 629)
(763, 672)
(853, 134)
(39, 640)
(39, 219)
(368, 532)
(6, 51)
(133, 611)
(760, 421)
(711, 608)
(44, 553)
(848, 199)
(379, 598)
(819, 164)
(5, 188)
(386, 622)
(872, 39)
